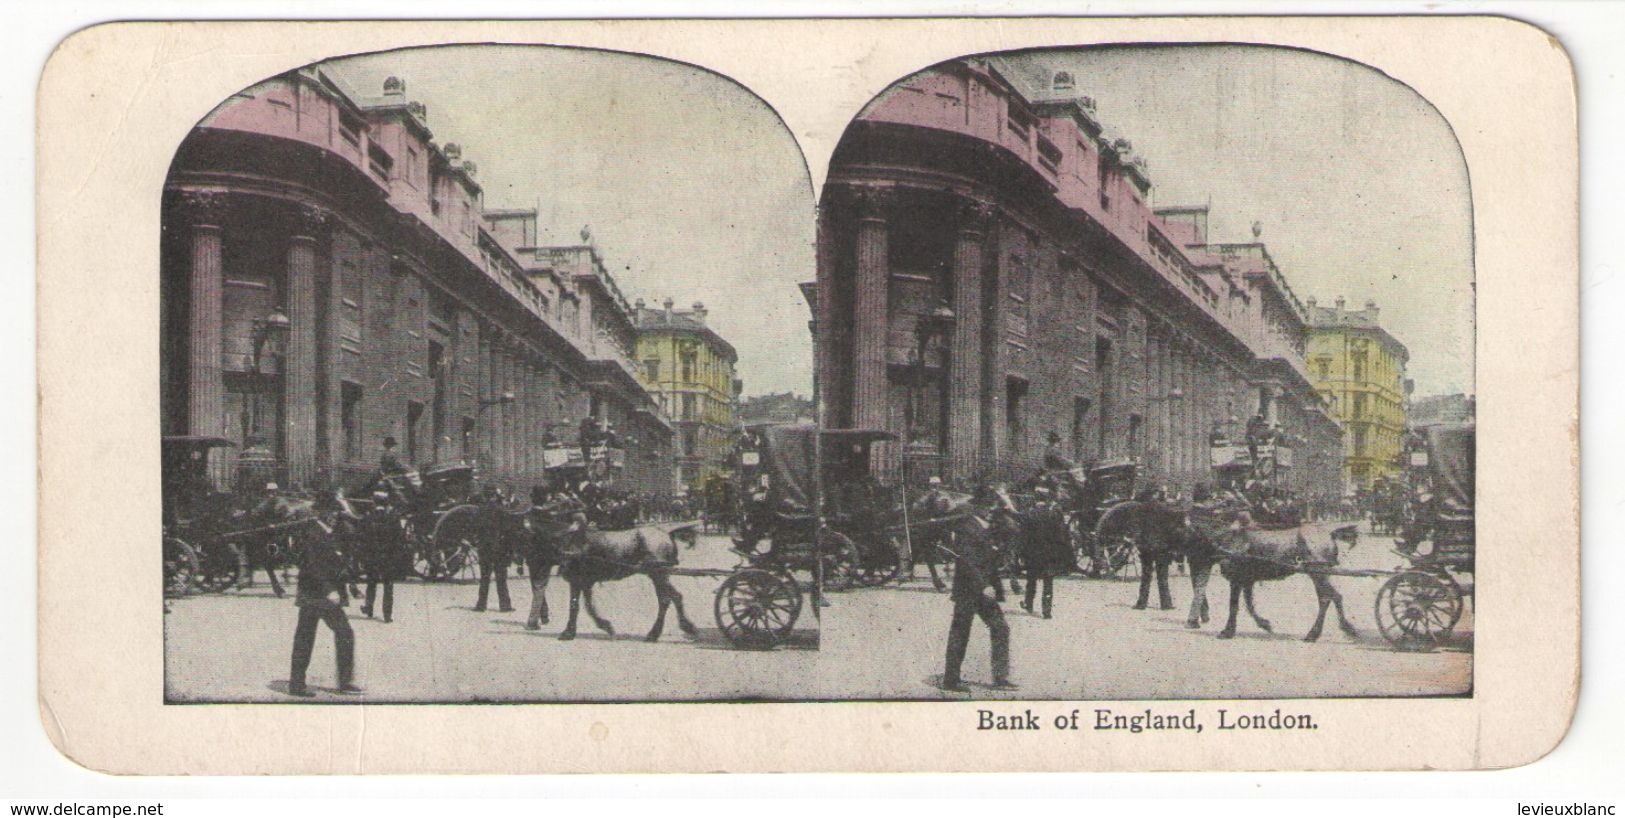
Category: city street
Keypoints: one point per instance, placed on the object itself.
(235, 646)
(889, 643)
(876, 643)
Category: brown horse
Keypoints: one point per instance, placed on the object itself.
(605, 556)
(1255, 555)
(547, 529)
(1245, 554)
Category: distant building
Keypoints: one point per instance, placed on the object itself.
(1359, 369)
(1437, 409)
(690, 370)
(777, 407)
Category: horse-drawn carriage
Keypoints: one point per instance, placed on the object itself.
(1419, 606)
(792, 523)
(209, 536)
(440, 517)
(1104, 538)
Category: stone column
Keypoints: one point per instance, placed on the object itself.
(965, 358)
(484, 391)
(497, 413)
(206, 389)
(299, 367)
(871, 315)
(510, 410)
(529, 439)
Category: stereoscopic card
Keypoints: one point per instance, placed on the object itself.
(940, 395)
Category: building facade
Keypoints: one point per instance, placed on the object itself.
(1360, 370)
(329, 278)
(993, 285)
(690, 370)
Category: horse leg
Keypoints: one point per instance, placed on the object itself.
(1199, 577)
(683, 622)
(575, 605)
(1235, 601)
(602, 623)
(1146, 561)
(1343, 622)
(1165, 597)
(1323, 600)
(1263, 624)
(538, 598)
(660, 617)
(936, 581)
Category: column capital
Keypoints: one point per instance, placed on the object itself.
(205, 208)
(311, 222)
(972, 216)
(873, 203)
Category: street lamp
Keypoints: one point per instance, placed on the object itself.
(929, 327)
(273, 327)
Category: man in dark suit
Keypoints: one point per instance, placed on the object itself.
(496, 544)
(975, 573)
(322, 598)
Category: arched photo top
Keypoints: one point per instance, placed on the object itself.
(1134, 282)
(454, 275)
(1354, 183)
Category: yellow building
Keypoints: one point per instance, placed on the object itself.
(689, 369)
(1359, 370)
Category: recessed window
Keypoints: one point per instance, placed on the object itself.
(379, 161)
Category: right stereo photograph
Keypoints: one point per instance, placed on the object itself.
(1146, 372)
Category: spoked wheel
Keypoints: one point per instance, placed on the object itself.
(181, 566)
(839, 560)
(451, 546)
(219, 567)
(1416, 610)
(880, 560)
(1117, 538)
(756, 608)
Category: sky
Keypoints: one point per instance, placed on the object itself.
(1358, 182)
(693, 188)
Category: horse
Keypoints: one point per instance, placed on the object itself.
(1255, 554)
(605, 556)
(546, 527)
(1246, 554)
(273, 548)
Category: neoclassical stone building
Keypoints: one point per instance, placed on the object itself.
(992, 285)
(329, 278)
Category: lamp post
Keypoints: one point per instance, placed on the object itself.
(931, 326)
(273, 326)
(257, 461)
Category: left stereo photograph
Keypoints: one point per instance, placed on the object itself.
(459, 341)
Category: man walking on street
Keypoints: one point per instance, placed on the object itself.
(322, 598)
(975, 572)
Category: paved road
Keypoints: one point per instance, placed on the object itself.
(1099, 647)
(875, 643)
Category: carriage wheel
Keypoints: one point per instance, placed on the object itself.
(1116, 546)
(219, 567)
(880, 561)
(452, 546)
(180, 566)
(1416, 610)
(757, 609)
(838, 559)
